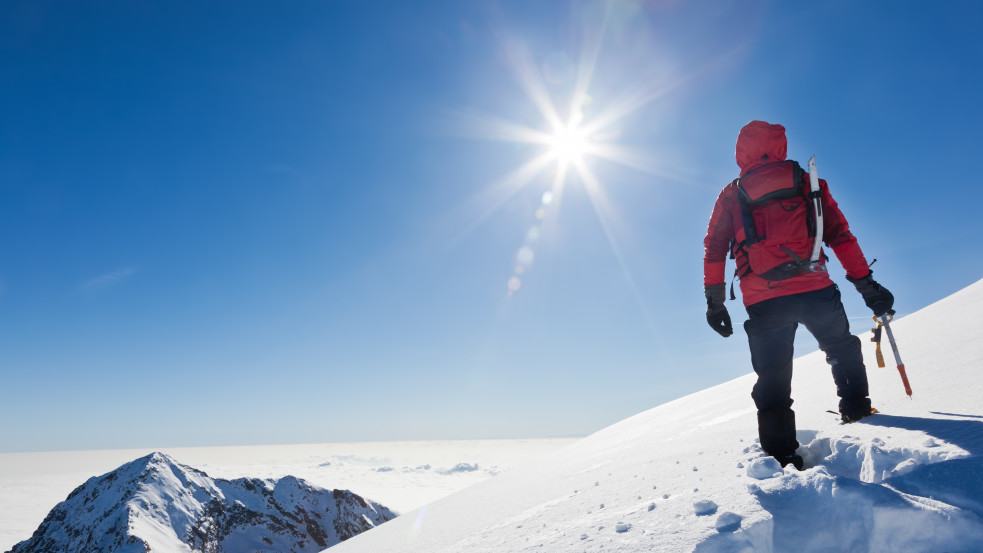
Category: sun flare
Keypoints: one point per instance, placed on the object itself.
(566, 146)
(569, 144)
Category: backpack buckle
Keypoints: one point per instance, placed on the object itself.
(814, 267)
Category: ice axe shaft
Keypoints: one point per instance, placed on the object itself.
(886, 321)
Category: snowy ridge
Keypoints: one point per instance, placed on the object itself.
(689, 476)
(157, 504)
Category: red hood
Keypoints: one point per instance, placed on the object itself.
(759, 143)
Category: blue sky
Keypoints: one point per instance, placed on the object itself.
(246, 223)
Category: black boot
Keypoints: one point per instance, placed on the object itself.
(855, 408)
(776, 430)
(794, 459)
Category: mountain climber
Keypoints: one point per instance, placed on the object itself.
(767, 220)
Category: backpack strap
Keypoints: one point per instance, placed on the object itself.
(815, 194)
(750, 233)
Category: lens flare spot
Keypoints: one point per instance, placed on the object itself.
(532, 235)
(514, 284)
(525, 256)
(540, 214)
(547, 197)
(558, 68)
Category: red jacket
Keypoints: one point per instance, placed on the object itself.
(759, 143)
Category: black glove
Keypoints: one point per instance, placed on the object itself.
(717, 314)
(877, 298)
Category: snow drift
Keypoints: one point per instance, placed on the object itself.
(157, 504)
(689, 476)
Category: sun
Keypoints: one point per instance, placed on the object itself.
(569, 144)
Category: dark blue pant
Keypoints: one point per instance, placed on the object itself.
(771, 331)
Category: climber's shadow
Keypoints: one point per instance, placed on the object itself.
(967, 434)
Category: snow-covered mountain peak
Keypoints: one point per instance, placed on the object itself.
(155, 503)
(157, 469)
(159, 461)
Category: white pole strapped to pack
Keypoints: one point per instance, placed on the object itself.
(818, 206)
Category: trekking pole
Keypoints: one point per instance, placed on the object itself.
(886, 320)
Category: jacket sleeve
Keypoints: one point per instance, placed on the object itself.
(837, 235)
(716, 245)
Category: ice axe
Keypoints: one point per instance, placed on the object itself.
(885, 322)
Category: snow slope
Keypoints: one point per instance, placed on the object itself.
(688, 475)
(157, 504)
